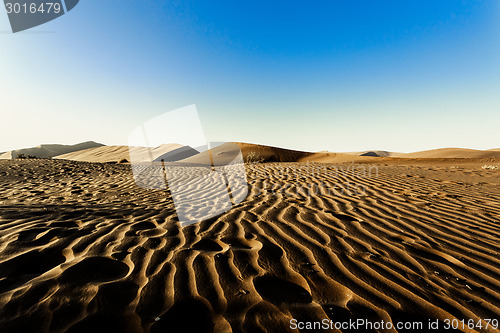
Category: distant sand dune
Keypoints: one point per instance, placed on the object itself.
(434, 153)
(100, 154)
(273, 154)
(50, 150)
(107, 154)
(375, 153)
(269, 154)
(454, 153)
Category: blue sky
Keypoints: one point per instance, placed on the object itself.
(324, 75)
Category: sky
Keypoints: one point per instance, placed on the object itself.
(323, 75)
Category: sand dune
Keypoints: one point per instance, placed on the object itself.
(374, 153)
(273, 154)
(433, 153)
(227, 152)
(83, 249)
(270, 154)
(172, 152)
(453, 153)
(100, 154)
(108, 154)
(51, 150)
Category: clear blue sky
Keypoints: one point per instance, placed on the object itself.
(312, 75)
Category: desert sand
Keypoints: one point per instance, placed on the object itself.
(83, 249)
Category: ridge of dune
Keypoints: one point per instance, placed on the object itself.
(49, 150)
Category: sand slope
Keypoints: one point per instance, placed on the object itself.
(83, 249)
(50, 150)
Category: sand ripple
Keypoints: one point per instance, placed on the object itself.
(83, 249)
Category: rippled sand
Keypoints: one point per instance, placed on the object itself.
(83, 249)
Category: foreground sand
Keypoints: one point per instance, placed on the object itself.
(83, 249)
